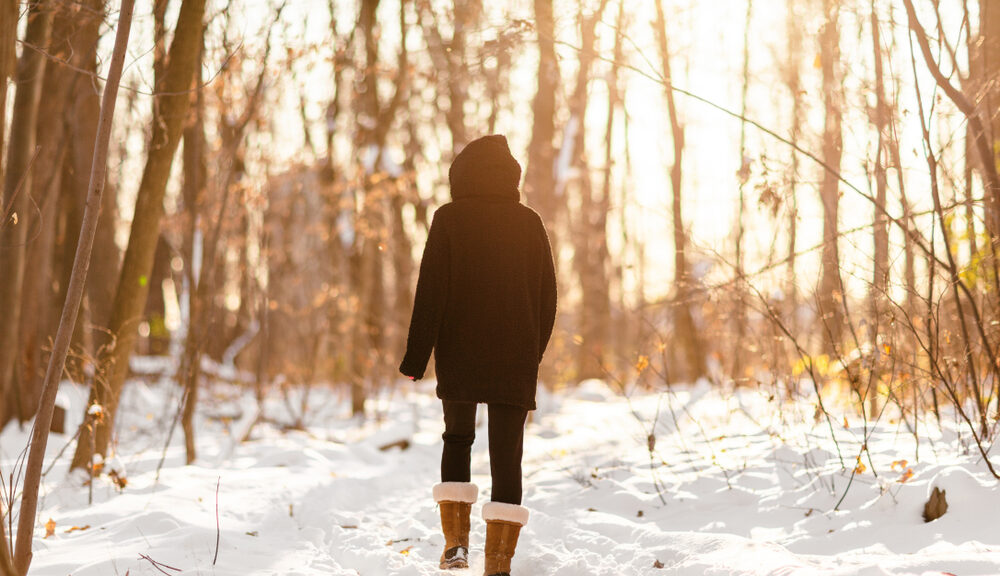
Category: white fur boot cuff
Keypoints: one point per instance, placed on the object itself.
(456, 492)
(503, 512)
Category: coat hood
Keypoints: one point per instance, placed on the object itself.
(485, 168)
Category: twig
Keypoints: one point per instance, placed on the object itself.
(217, 529)
(158, 565)
(807, 360)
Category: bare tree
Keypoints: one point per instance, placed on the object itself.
(450, 61)
(793, 82)
(830, 297)
(204, 282)
(594, 319)
(169, 110)
(18, 215)
(685, 331)
(367, 258)
(40, 430)
(539, 177)
(879, 118)
(983, 147)
(744, 176)
(8, 64)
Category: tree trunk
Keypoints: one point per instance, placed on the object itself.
(589, 259)
(86, 106)
(793, 81)
(985, 144)
(618, 323)
(193, 191)
(830, 298)
(539, 178)
(169, 111)
(40, 431)
(685, 331)
(880, 282)
(371, 236)
(739, 347)
(21, 153)
(989, 30)
(8, 64)
(52, 141)
(878, 297)
(65, 139)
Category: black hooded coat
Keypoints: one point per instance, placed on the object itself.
(486, 295)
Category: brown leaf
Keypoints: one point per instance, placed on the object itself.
(120, 481)
(50, 528)
(657, 564)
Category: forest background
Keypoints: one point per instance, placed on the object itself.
(756, 193)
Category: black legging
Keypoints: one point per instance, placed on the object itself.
(506, 431)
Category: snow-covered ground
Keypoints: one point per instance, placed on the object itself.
(738, 483)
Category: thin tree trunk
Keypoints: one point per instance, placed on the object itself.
(594, 317)
(8, 65)
(880, 282)
(466, 14)
(793, 81)
(8, 61)
(616, 327)
(830, 297)
(170, 109)
(539, 178)
(38, 304)
(367, 257)
(52, 142)
(17, 213)
(86, 106)
(195, 180)
(40, 431)
(989, 31)
(65, 138)
(684, 328)
(744, 175)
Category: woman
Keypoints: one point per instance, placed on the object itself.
(486, 304)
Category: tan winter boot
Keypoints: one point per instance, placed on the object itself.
(503, 525)
(455, 500)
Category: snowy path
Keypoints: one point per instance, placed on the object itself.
(739, 499)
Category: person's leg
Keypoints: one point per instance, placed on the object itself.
(455, 495)
(459, 434)
(506, 429)
(504, 514)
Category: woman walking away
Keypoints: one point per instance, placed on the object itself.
(485, 303)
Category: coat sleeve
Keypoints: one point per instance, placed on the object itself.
(548, 295)
(428, 303)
